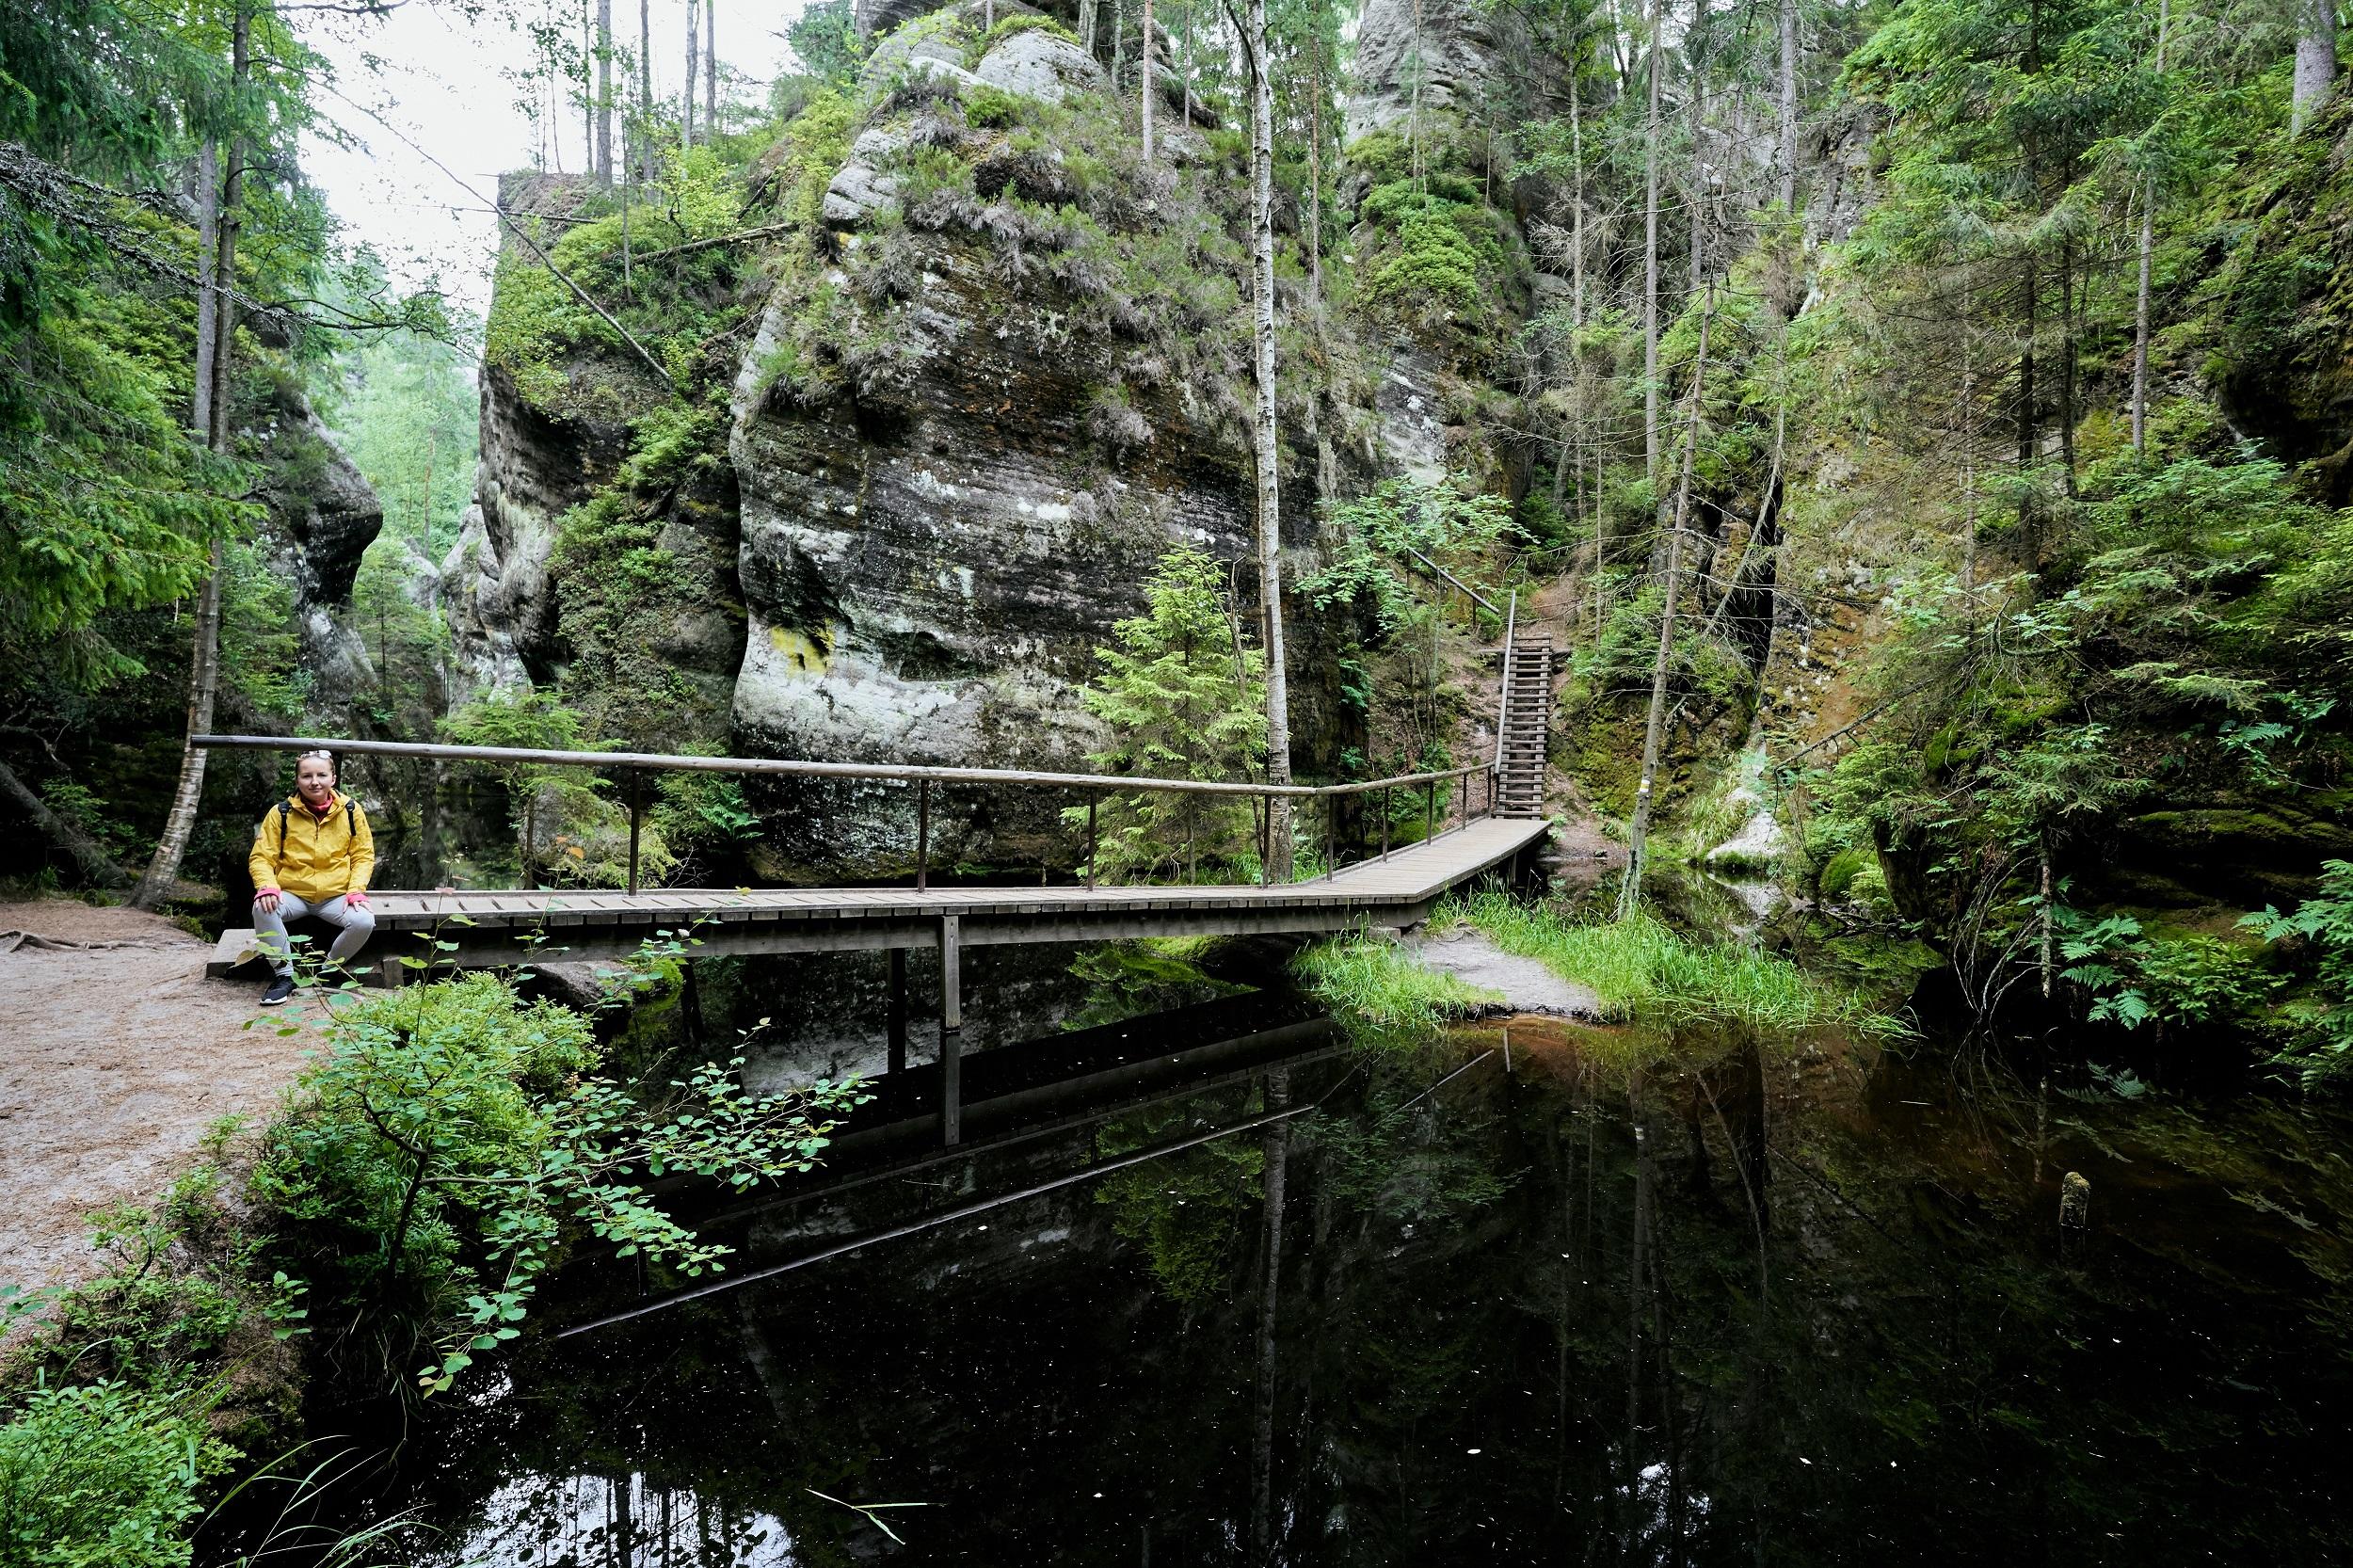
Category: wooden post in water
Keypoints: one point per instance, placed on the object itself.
(923, 834)
(2074, 1213)
(951, 1031)
(896, 1011)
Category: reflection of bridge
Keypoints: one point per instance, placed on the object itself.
(1391, 886)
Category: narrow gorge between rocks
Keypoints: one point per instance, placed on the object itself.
(1306, 782)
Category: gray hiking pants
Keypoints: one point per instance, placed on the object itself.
(269, 927)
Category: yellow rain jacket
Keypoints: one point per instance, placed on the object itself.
(312, 857)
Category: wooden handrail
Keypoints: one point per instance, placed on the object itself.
(1503, 693)
(1477, 597)
(908, 773)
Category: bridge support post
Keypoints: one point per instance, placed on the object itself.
(951, 1031)
(896, 1012)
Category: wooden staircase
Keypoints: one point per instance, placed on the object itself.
(1526, 721)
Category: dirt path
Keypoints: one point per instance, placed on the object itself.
(115, 1055)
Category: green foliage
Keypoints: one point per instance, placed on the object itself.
(2320, 1049)
(2134, 977)
(104, 1474)
(428, 1163)
(825, 38)
(1442, 253)
(1184, 1209)
(105, 507)
(1454, 525)
(1009, 26)
(1182, 699)
(1133, 979)
(409, 419)
(1378, 984)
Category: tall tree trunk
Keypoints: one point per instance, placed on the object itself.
(1654, 729)
(1577, 205)
(1151, 86)
(645, 90)
(2316, 60)
(587, 90)
(1786, 153)
(1278, 719)
(88, 853)
(1413, 114)
(211, 395)
(2067, 364)
(693, 63)
(1695, 208)
(2148, 249)
(710, 68)
(1087, 25)
(605, 92)
(207, 305)
(1650, 267)
(1315, 154)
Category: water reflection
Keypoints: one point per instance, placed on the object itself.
(1759, 1300)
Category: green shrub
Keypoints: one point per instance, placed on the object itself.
(426, 1165)
(103, 1476)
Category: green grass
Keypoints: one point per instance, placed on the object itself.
(1379, 983)
(1642, 970)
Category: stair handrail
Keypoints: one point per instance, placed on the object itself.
(1503, 697)
(1477, 598)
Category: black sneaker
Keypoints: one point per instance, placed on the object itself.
(281, 989)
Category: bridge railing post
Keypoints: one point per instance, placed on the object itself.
(1385, 821)
(1091, 802)
(923, 834)
(636, 819)
(1331, 837)
(1430, 811)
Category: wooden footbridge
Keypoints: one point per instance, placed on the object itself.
(1386, 885)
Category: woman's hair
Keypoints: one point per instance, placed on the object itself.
(324, 755)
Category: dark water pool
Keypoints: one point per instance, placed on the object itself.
(1805, 1305)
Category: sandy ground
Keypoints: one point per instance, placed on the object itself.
(116, 1056)
(1528, 987)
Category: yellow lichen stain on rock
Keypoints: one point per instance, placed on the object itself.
(798, 649)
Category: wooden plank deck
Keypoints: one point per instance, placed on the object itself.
(604, 923)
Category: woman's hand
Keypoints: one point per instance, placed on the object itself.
(356, 898)
(265, 900)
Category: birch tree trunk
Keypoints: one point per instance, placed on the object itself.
(209, 403)
(1654, 729)
(1314, 154)
(645, 90)
(710, 68)
(1151, 86)
(1278, 722)
(605, 92)
(1650, 267)
(1787, 151)
(693, 63)
(2316, 60)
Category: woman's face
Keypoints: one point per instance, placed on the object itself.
(315, 777)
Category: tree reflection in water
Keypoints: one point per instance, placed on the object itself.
(1745, 1300)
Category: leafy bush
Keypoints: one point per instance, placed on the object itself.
(2322, 1049)
(106, 1475)
(427, 1165)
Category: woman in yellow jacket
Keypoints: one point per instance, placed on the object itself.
(312, 855)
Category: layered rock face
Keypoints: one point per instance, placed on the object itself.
(932, 552)
(1460, 53)
(323, 516)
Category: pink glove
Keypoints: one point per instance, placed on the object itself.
(357, 898)
(266, 898)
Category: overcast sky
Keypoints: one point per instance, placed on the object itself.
(443, 82)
